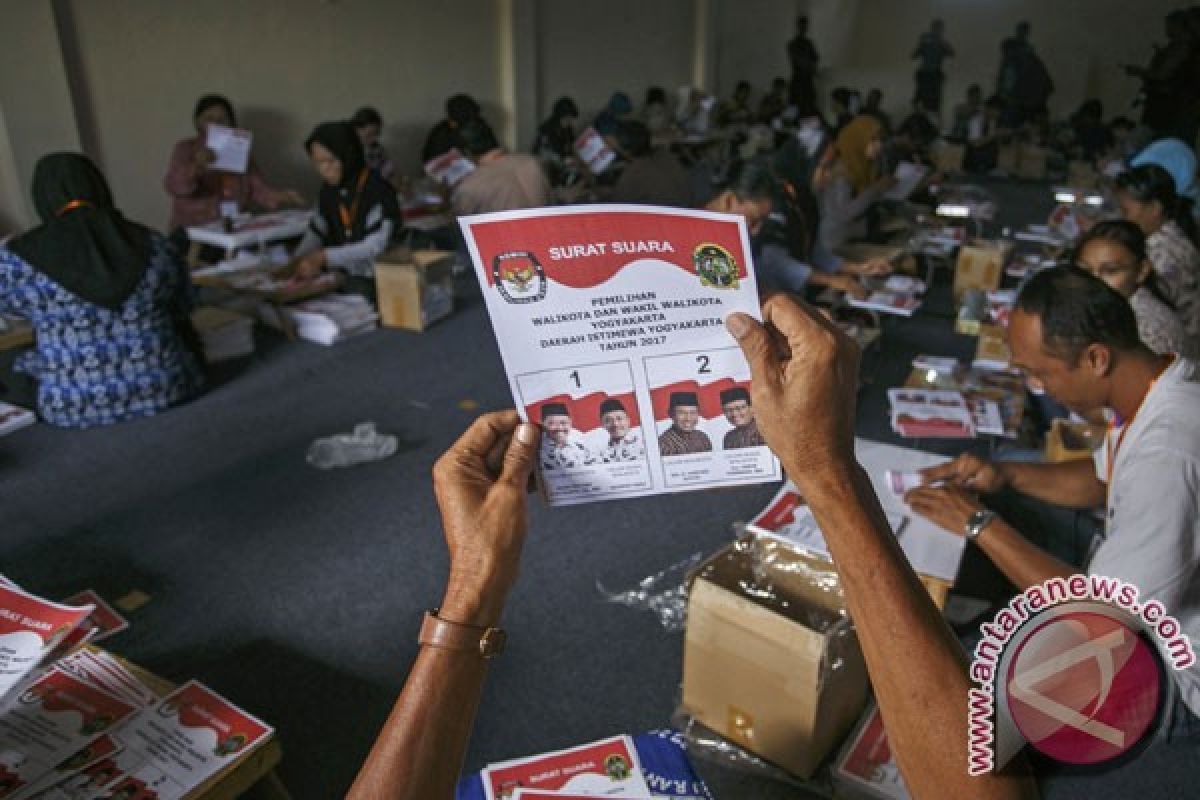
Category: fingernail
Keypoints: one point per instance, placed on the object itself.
(737, 324)
(527, 433)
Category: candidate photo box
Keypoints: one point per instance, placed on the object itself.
(705, 375)
(770, 660)
(587, 465)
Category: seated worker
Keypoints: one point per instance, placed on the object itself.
(555, 140)
(653, 175)
(1147, 197)
(805, 385)
(874, 108)
(501, 181)
(355, 215)
(109, 301)
(562, 444)
(1091, 138)
(693, 111)
(1177, 158)
(774, 102)
(739, 412)
(1115, 252)
(683, 438)
(984, 135)
(1077, 339)
(624, 442)
(655, 112)
(197, 192)
(853, 185)
(839, 108)
(780, 237)
(965, 111)
(461, 109)
(618, 109)
(369, 125)
(736, 110)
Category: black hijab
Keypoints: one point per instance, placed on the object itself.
(83, 244)
(355, 193)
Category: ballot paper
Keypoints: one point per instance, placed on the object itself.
(886, 302)
(52, 719)
(788, 518)
(30, 627)
(180, 743)
(231, 146)
(930, 413)
(607, 768)
(537, 794)
(866, 768)
(594, 151)
(14, 418)
(86, 769)
(103, 617)
(610, 322)
(450, 167)
(908, 176)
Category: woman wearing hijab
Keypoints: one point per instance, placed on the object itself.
(848, 190)
(108, 299)
(1176, 158)
(556, 136)
(197, 192)
(356, 209)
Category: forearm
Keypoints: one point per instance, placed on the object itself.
(358, 257)
(1022, 562)
(419, 752)
(924, 701)
(183, 179)
(1072, 484)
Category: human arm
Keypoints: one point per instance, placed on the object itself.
(480, 485)
(1072, 484)
(805, 378)
(188, 162)
(266, 196)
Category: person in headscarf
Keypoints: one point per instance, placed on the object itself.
(1178, 159)
(108, 299)
(461, 110)
(197, 192)
(556, 136)
(356, 209)
(854, 183)
(619, 107)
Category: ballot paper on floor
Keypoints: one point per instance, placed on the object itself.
(231, 146)
(610, 322)
(30, 627)
(50, 720)
(606, 768)
(189, 737)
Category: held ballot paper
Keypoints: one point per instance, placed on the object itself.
(610, 321)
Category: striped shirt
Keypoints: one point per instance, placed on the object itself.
(676, 442)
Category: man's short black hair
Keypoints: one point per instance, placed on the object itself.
(1078, 309)
(365, 117)
(478, 138)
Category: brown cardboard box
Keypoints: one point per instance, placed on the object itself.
(415, 288)
(780, 673)
(1031, 162)
(980, 265)
(1070, 441)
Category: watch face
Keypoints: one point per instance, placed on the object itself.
(492, 642)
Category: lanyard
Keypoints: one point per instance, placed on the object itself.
(1113, 449)
(71, 206)
(348, 214)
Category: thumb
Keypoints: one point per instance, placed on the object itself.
(518, 460)
(755, 342)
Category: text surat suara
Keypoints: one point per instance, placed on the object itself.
(598, 311)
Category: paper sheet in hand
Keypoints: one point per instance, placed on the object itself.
(231, 146)
(594, 151)
(623, 308)
(449, 168)
(907, 176)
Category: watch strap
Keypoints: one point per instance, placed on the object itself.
(485, 642)
(977, 522)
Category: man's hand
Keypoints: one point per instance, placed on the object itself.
(968, 472)
(307, 267)
(850, 285)
(805, 375)
(948, 507)
(480, 484)
(873, 267)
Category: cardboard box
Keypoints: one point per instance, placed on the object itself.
(779, 673)
(980, 265)
(1071, 441)
(414, 288)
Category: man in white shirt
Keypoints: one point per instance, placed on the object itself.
(562, 445)
(624, 442)
(1078, 340)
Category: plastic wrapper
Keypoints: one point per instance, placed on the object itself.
(360, 446)
(664, 593)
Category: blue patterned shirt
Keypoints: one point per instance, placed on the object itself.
(94, 366)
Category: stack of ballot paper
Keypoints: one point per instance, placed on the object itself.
(930, 413)
(887, 302)
(325, 320)
(609, 768)
(225, 334)
(14, 418)
(83, 724)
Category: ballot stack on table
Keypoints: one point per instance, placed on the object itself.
(324, 320)
(76, 721)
